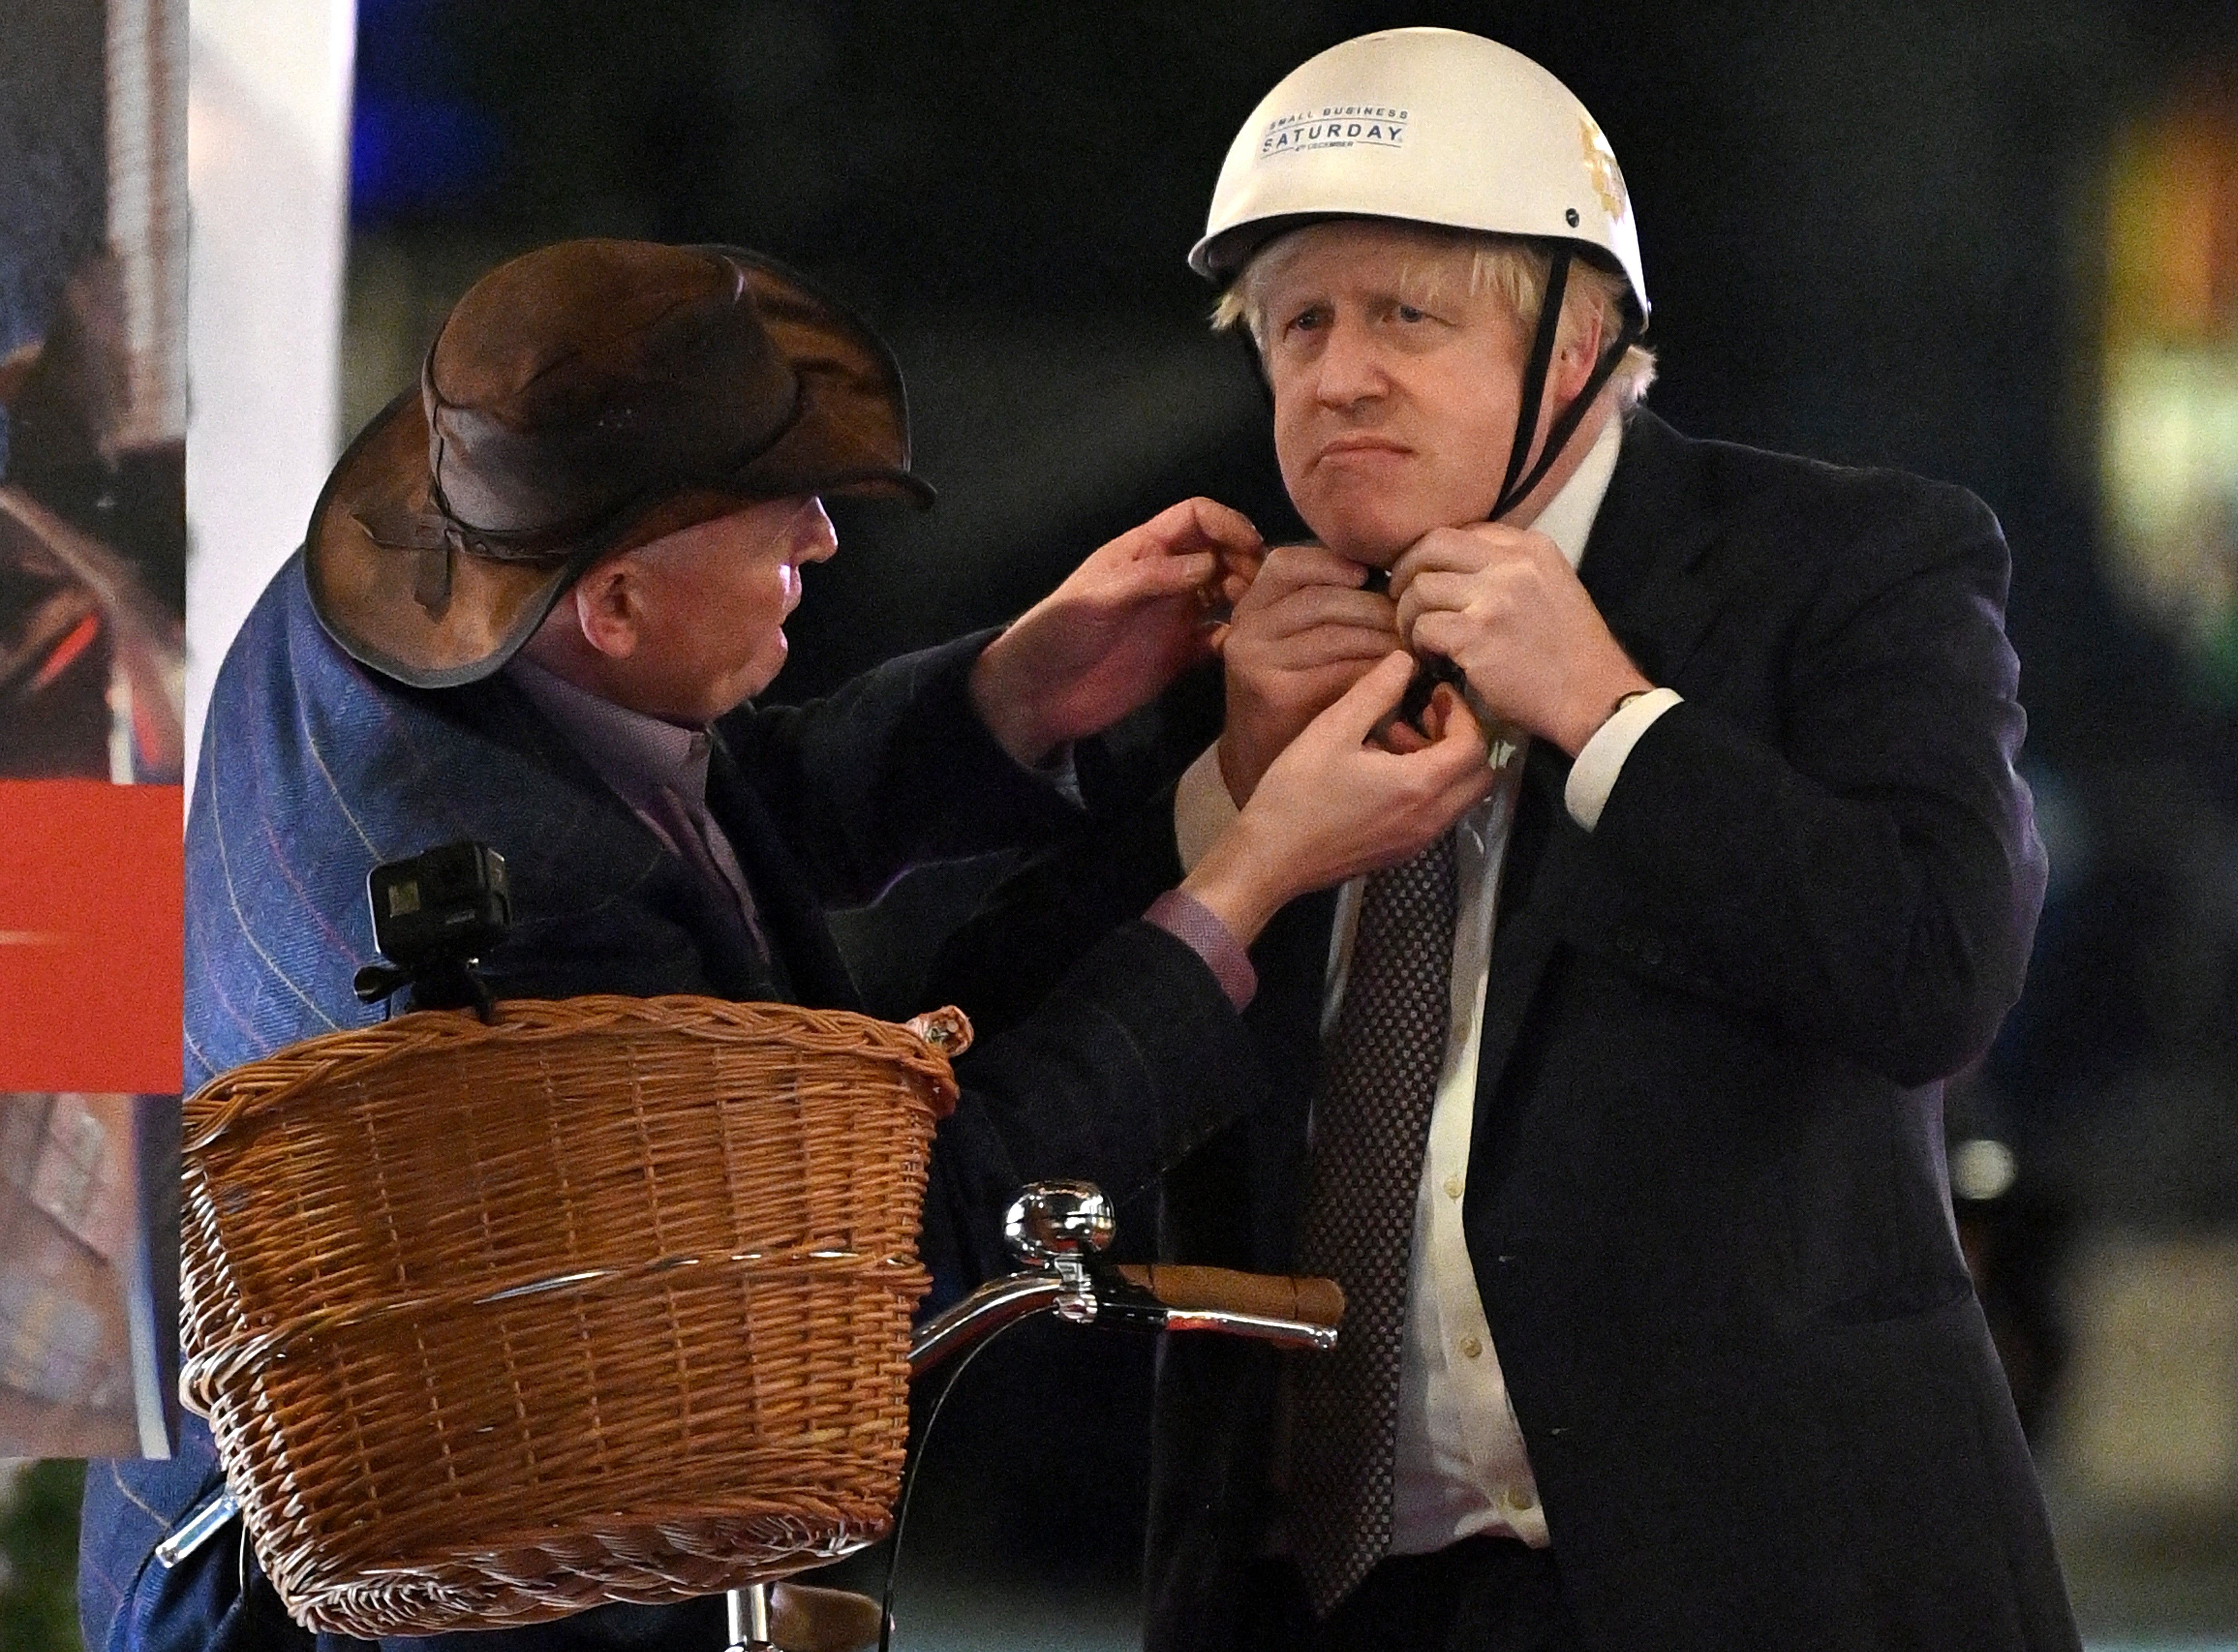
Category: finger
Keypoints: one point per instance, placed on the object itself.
(1456, 721)
(1227, 527)
(1448, 704)
(1327, 645)
(1452, 731)
(1440, 630)
(1445, 781)
(1289, 568)
(1470, 542)
(1324, 605)
(1216, 599)
(1454, 787)
(1460, 550)
(1371, 700)
(1440, 550)
(1321, 685)
(1461, 575)
(1449, 778)
(1197, 522)
(1445, 704)
(1400, 737)
(1433, 720)
(1459, 757)
(1242, 562)
(1170, 576)
(1436, 592)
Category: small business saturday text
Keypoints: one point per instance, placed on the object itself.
(1334, 126)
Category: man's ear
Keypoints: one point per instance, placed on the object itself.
(1579, 352)
(610, 606)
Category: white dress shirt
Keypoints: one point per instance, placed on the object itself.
(1460, 1466)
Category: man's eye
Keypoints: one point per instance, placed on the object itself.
(1409, 312)
(1306, 321)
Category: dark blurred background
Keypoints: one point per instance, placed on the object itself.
(1994, 243)
(52, 193)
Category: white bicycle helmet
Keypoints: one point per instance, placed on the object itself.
(1434, 126)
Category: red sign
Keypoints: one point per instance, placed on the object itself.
(92, 917)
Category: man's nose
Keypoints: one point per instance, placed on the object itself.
(1351, 368)
(818, 539)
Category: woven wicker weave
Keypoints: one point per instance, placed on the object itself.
(607, 1301)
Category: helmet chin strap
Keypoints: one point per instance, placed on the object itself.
(1534, 384)
(1517, 486)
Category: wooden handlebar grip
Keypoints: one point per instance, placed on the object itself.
(1272, 1296)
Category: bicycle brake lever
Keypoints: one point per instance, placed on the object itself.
(1121, 1303)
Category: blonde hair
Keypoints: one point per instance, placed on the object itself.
(1512, 265)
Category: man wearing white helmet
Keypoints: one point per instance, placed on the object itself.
(1623, 1103)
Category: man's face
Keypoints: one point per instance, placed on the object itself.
(1395, 387)
(715, 597)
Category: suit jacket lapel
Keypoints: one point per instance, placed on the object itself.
(1639, 568)
(792, 921)
(1639, 561)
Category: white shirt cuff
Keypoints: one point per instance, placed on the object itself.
(1202, 808)
(1593, 777)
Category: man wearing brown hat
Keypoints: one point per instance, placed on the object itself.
(534, 594)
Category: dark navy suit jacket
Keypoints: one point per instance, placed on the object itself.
(313, 770)
(1706, 1207)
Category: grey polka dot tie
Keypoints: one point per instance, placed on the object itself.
(1371, 1121)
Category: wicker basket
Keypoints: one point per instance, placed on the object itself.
(607, 1301)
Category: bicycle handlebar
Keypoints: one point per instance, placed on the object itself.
(1288, 1312)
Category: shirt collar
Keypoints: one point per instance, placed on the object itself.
(637, 755)
(1568, 517)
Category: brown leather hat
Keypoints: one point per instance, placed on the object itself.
(581, 399)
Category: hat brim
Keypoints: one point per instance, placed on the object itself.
(848, 434)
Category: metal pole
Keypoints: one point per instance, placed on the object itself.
(748, 1612)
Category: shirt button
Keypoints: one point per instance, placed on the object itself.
(1520, 1498)
(1454, 1187)
(1471, 1347)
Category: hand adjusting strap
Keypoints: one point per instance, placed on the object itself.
(1516, 486)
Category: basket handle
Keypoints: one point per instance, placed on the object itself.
(1266, 1295)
